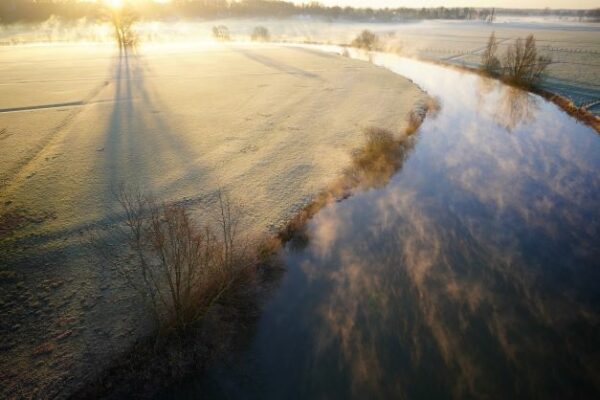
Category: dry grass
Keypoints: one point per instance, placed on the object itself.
(372, 166)
(13, 220)
(378, 160)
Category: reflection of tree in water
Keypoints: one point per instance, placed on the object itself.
(515, 107)
(508, 106)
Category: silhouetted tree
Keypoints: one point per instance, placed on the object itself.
(123, 20)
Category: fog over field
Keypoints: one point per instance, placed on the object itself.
(573, 46)
(298, 206)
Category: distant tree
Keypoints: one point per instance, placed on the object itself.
(366, 40)
(261, 34)
(221, 32)
(492, 16)
(522, 64)
(489, 61)
(123, 21)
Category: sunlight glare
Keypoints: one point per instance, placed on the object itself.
(114, 3)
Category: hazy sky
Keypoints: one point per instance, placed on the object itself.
(464, 3)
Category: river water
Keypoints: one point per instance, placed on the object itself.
(474, 273)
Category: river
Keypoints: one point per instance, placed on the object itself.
(473, 273)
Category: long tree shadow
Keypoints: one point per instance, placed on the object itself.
(141, 147)
(277, 65)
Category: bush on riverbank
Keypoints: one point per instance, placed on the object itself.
(521, 64)
(366, 40)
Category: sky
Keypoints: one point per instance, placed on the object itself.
(464, 3)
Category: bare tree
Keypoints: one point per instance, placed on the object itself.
(179, 267)
(522, 64)
(492, 17)
(123, 21)
(489, 61)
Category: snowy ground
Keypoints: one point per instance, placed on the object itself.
(272, 125)
(573, 46)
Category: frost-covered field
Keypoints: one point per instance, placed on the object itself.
(180, 118)
(270, 124)
(574, 49)
(574, 46)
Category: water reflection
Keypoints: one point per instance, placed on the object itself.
(473, 273)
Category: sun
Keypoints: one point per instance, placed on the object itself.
(114, 3)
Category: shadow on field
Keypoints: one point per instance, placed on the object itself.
(141, 146)
(276, 65)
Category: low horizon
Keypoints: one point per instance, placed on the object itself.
(391, 4)
(261, 200)
(506, 4)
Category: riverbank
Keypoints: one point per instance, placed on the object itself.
(470, 274)
(580, 114)
(157, 362)
(179, 122)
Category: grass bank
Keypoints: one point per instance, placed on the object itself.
(162, 359)
(562, 102)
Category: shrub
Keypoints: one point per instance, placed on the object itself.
(522, 64)
(489, 61)
(261, 34)
(375, 163)
(221, 32)
(366, 40)
(179, 267)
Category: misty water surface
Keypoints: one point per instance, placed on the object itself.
(473, 273)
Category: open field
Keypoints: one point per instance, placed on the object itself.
(574, 47)
(574, 50)
(271, 125)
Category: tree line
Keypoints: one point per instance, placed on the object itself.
(40, 10)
